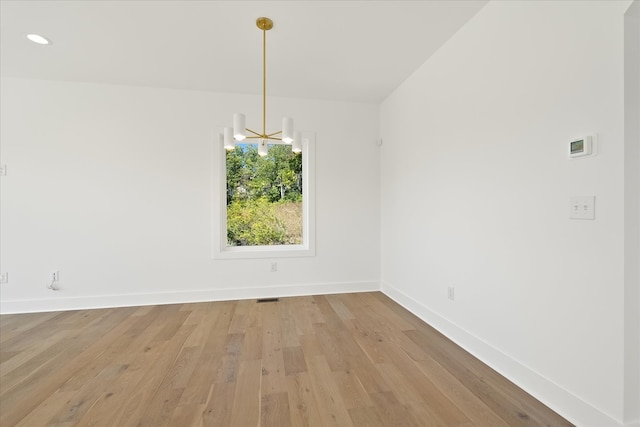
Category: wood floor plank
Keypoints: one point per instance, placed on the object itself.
(369, 375)
(330, 318)
(393, 413)
(311, 308)
(332, 410)
(240, 317)
(500, 395)
(302, 317)
(252, 345)
(330, 349)
(188, 415)
(198, 388)
(75, 408)
(335, 301)
(427, 394)
(290, 337)
(118, 395)
(246, 401)
(367, 339)
(274, 410)
(26, 341)
(302, 401)
(366, 416)
(140, 355)
(386, 327)
(343, 360)
(15, 324)
(470, 404)
(39, 348)
(293, 358)
(409, 397)
(43, 413)
(228, 364)
(5, 356)
(41, 337)
(369, 302)
(310, 345)
(149, 401)
(42, 376)
(351, 389)
(273, 369)
(219, 405)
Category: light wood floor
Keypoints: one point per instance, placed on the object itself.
(335, 360)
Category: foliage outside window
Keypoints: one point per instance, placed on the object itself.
(264, 196)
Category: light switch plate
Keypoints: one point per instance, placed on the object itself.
(582, 207)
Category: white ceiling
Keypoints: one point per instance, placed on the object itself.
(341, 50)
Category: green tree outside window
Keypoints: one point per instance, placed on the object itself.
(264, 196)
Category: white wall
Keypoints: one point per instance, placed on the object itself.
(112, 186)
(632, 210)
(475, 188)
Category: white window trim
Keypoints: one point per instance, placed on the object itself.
(306, 249)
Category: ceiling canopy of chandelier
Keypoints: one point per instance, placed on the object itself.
(238, 132)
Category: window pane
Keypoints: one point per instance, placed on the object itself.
(264, 203)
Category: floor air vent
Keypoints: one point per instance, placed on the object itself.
(268, 300)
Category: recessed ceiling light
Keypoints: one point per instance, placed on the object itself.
(37, 38)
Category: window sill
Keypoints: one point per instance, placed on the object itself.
(248, 252)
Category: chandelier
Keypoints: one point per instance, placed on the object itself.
(238, 132)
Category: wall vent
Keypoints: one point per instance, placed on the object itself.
(268, 300)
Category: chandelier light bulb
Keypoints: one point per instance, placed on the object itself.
(263, 149)
(239, 125)
(229, 142)
(297, 142)
(37, 38)
(287, 130)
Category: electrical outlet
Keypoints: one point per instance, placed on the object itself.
(451, 293)
(4, 277)
(55, 277)
(274, 267)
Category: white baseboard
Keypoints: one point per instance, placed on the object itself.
(555, 397)
(179, 297)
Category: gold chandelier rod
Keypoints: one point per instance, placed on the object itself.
(265, 24)
(264, 75)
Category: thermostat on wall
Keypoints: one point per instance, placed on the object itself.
(581, 147)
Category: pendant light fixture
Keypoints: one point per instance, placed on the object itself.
(238, 132)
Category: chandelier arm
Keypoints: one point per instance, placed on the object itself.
(275, 133)
(264, 138)
(253, 132)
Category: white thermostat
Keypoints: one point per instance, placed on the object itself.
(581, 147)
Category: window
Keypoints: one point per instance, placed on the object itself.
(264, 207)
